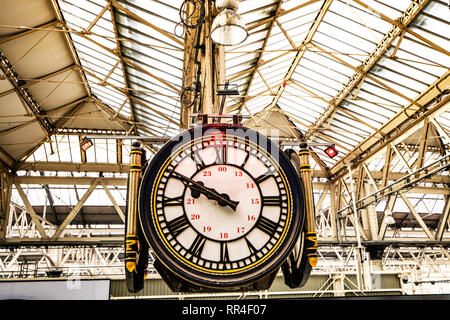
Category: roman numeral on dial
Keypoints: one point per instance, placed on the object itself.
(250, 246)
(221, 153)
(264, 177)
(197, 159)
(247, 156)
(271, 201)
(224, 256)
(266, 225)
(168, 202)
(178, 225)
(197, 245)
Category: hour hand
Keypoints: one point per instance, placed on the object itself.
(197, 188)
(212, 194)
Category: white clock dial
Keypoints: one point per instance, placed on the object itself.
(213, 234)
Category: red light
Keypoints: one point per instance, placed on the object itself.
(331, 151)
(86, 144)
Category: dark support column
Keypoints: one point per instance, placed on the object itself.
(5, 199)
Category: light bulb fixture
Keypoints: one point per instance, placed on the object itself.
(228, 28)
(86, 143)
(230, 4)
(388, 218)
(331, 151)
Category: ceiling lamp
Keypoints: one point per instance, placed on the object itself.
(331, 151)
(228, 28)
(388, 218)
(86, 144)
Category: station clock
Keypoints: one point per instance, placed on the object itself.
(221, 206)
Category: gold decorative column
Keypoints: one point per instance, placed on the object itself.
(132, 240)
(310, 235)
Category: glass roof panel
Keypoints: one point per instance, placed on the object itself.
(97, 61)
(164, 15)
(324, 86)
(324, 67)
(438, 9)
(295, 95)
(304, 113)
(153, 61)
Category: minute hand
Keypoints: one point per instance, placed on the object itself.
(210, 193)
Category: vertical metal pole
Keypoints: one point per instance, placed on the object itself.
(355, 212)
(311, 235)
(219, 76)
(131, 240)
(5, 202)
(207, 79)
(189, 74)
(334, 206)
(359, 254)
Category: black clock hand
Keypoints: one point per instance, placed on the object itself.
(198, 186)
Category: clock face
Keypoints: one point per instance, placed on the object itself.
(221, 208)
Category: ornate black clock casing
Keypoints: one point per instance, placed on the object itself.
(221, 207)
